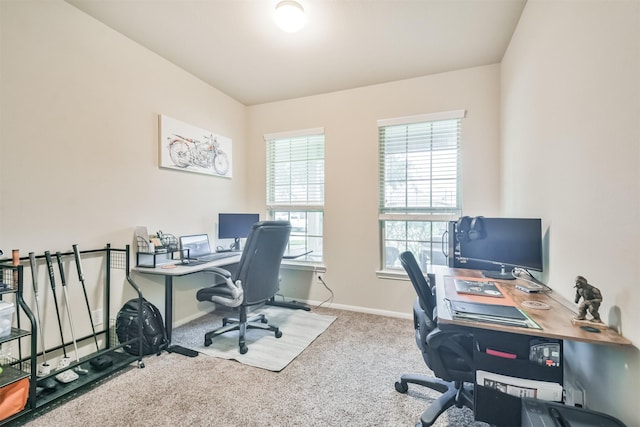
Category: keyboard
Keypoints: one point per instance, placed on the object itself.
(217, 256)
(211, 257)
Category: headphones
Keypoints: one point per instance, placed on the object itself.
(468, 228)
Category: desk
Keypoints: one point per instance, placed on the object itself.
(555, 322)
(180, 270)
(491, 405)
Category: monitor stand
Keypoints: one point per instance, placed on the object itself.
(499, 275)
(236, 244)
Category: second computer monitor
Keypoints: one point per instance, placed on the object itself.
(236, 226)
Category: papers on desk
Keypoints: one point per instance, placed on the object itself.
(499, 314)
(520, 387)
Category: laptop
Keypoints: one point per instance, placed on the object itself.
(197, 245)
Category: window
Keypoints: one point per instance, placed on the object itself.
(419, 185)
(295, 187)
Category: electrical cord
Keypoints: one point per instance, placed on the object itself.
(330, 299)
(517, 272)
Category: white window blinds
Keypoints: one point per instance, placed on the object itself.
(420, 166)
(295, 169)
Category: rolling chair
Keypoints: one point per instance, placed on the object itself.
(256, 280)
(449, 354)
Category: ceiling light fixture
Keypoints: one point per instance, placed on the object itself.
(289, 16)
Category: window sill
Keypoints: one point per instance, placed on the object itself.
(303, 265)
(392, 275)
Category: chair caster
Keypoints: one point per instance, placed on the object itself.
(207, 342)
(264, 320)
(278, 333)
(243, 349)
(401, 387)
(140, 364)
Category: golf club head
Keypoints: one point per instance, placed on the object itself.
(67, 376)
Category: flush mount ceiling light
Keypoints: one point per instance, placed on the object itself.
(289, 16)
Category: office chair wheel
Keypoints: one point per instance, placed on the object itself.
(278, 333)
(401, 387)
(243, 349)
(264, 320)
(207, 342)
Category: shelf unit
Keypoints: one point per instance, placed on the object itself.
(25, 366)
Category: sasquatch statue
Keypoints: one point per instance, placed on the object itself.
(591, 299)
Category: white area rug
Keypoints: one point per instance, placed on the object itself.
(299, 329)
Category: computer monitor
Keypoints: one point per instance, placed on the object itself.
(236, 226)
(513, 242)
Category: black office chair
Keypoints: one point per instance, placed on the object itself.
(255, 281)
(449, 354)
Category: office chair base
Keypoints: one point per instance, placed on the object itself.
(256, 322)
(453, 394)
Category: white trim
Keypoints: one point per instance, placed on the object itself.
(392, 275)
(429, 117)
(294, 133)
(290, 264)
(357, 309)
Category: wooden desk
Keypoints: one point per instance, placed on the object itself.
(555, 322)
(491, 405)
(169, 271)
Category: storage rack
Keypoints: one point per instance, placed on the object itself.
(26, 363)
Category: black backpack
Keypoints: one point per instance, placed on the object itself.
(154, 335)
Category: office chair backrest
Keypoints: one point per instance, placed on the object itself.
(420, 284)
(259, 266)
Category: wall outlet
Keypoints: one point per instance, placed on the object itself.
(96, 316)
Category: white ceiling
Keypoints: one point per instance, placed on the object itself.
(234, 45)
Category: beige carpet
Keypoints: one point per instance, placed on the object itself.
(344, 378)
(299, 329)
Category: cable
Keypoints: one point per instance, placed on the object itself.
(330, 299)
(517, 271)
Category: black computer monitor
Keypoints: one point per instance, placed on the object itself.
(236, 226)
(512, 242)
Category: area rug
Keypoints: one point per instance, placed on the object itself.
(299, 329)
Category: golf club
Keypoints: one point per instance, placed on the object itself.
(44, 368)
(79, 369)
(68, 375)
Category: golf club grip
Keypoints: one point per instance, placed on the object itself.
(34, 272)
(76, 253)
(52, 280)
(61, 268)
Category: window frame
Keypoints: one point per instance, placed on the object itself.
(409, 214)
(312, 238)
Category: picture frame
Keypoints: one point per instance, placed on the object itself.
(188, 148)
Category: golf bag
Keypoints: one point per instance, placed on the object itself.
(154, 335)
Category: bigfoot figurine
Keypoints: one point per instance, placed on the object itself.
(591, 299)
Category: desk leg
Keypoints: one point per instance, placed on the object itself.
(168, 305)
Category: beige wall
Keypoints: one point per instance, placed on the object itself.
(571, 145)
(351, 244)
(79, 139)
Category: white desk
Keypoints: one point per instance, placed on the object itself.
(169, 271)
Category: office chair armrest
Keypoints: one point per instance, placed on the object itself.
(231, 294)
(219, 271)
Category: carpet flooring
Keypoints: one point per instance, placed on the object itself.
(299, 329)
(344, 377)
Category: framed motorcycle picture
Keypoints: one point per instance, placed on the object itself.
(185, 147)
